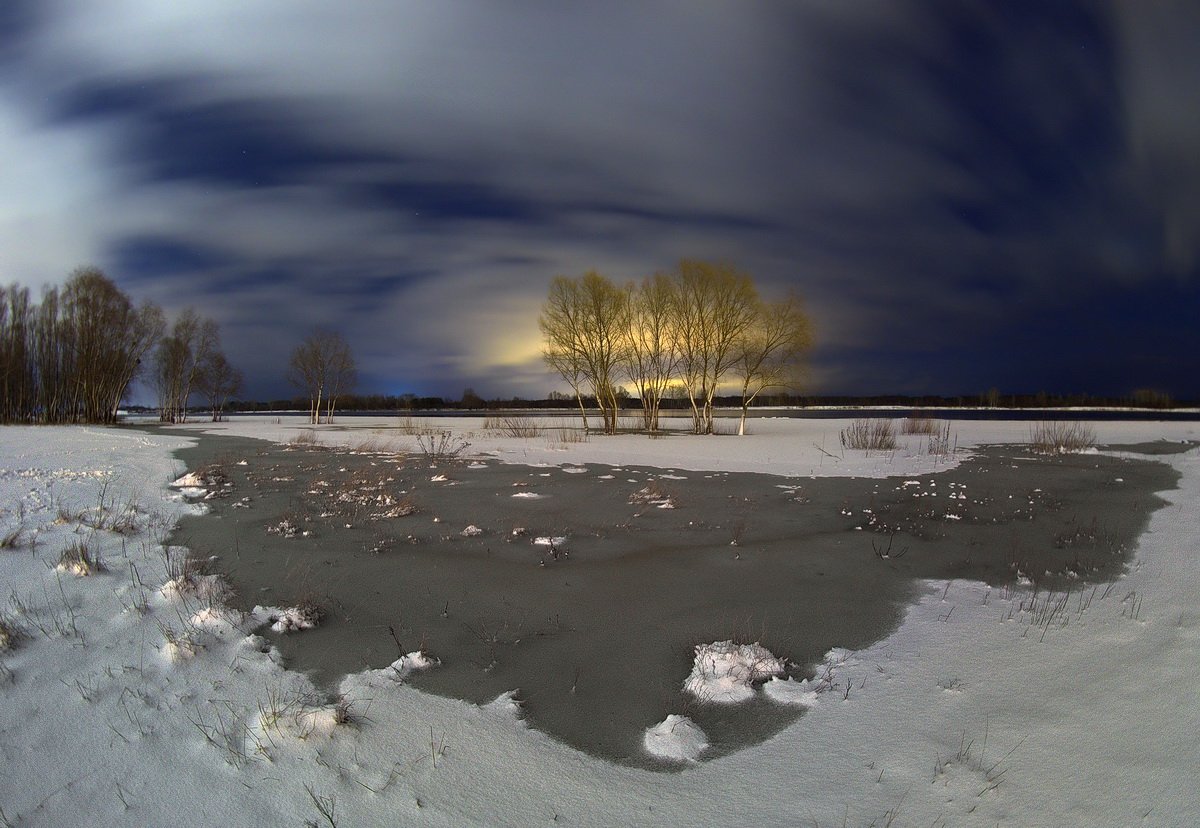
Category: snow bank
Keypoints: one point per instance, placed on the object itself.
(789, 691)
(726, 673)
(287, 619)
(1090, 722)
(675, 738)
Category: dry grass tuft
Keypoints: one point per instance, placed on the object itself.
(919, 425)
(1057, 437)
(78, 559)
(869, 435)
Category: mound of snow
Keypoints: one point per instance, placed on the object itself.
(286, 619)
(545, 540)
(676, 738)
(528, 495)
(472, 531)
(726, 672)
(189, 480)
(790, 691)
(505, 704)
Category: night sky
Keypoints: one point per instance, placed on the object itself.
(968, 195)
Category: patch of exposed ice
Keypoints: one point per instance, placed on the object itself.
(675, 738)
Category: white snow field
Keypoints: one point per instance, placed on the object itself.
(132, 697)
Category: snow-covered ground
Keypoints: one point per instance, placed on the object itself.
(124, 703)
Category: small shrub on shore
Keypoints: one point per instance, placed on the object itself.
(441, 447)
(869, 434)
(1057, 437)
(307, 437)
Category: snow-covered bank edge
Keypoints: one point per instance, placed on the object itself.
(985, 706)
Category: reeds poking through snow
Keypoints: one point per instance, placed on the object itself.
(1057, 437)
(307, 437)
(869, 435)
(78, 559)
(524, 427)
(10, 633)
(919, 425)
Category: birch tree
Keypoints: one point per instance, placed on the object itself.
(179, 359)
(323, 367)
(771, 350)
(584, 321)
(217, 381)
(714, 308)
(650, 353)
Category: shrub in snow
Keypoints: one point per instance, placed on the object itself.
(726, 672)
(178, 648)
(1062, 438)
(79, 560)
(9, 633)
(675, 738)
(305, 616)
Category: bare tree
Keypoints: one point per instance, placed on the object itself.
(771, 349)
(217, 381)
(563, 349)
(715, 306)
(584, 323)
(323, 367)
(178, 361)
(100, 339)
(651, 353)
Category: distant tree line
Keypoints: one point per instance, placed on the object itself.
(71, 357)
(698, 328)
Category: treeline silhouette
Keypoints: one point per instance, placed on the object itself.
(402, 403)
(70, 357)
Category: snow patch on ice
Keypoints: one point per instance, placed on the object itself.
(726, 673)
(675, 738)
(403, 667)
(506, 704)
(286, 619)
(790, 691)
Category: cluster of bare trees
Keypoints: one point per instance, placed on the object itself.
(698, 328)
(322, 366)
(189, 361)
(71, 357)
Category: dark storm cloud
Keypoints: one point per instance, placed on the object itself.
(968, 194)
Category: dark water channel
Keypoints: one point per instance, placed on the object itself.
(597, 641)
